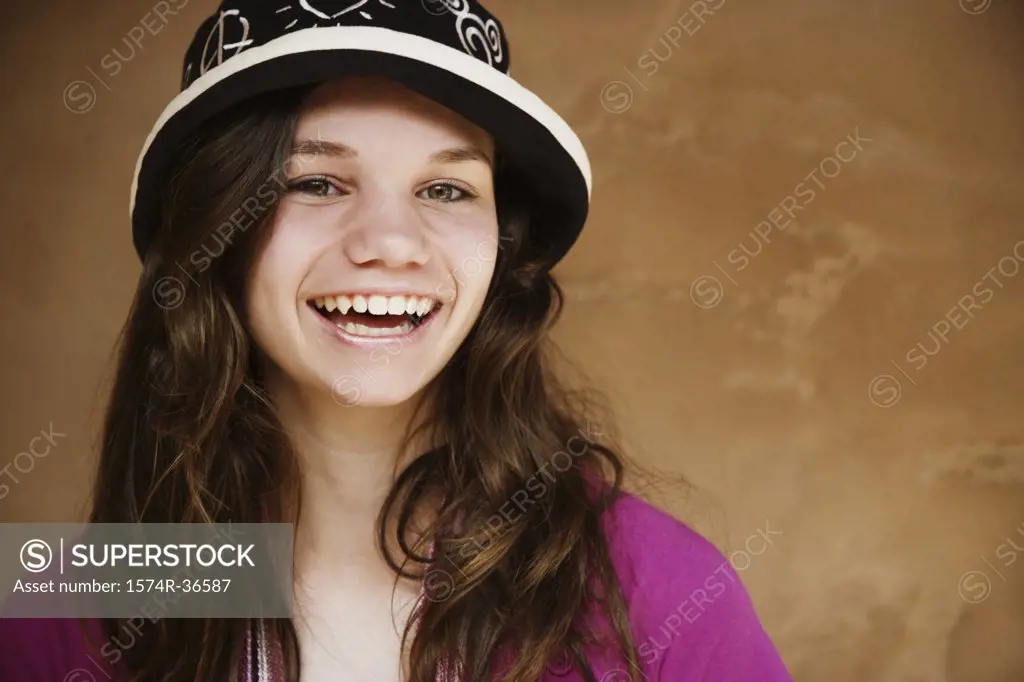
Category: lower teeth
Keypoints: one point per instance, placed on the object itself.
(363, 330)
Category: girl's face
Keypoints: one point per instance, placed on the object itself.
(382, 247)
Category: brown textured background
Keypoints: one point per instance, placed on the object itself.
(759, 385)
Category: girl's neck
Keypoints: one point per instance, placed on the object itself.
(348, 458)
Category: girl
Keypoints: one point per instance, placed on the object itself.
(347, 221)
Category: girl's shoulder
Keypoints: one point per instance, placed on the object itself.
(51, 650)
(692, 617)
(648, 543)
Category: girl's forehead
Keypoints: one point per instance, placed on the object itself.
(381, 104)
(356, 92)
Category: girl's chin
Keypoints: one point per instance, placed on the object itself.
(361, 389)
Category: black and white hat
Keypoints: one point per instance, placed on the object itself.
(452, 51)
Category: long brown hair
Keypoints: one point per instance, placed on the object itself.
(191, 436)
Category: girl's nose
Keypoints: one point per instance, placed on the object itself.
(387, 233)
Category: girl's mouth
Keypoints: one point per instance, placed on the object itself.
(376, 315)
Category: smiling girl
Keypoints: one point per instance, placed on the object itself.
(347, 222)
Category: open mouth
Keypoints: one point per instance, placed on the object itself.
(376, 314)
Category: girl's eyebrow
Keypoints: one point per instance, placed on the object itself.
(461, 154)
(310, 147)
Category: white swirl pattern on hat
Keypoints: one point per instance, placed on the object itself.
(481, 36)
(309, 7)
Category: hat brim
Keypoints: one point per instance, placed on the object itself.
(531, 135)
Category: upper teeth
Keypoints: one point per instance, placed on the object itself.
(377, 304)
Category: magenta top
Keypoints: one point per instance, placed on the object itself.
(691, 616)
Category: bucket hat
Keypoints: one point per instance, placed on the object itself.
(454, 52)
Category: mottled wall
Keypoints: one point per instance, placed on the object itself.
(845, 378)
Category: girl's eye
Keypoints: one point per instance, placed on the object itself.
(319, 187)
(446, 192)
